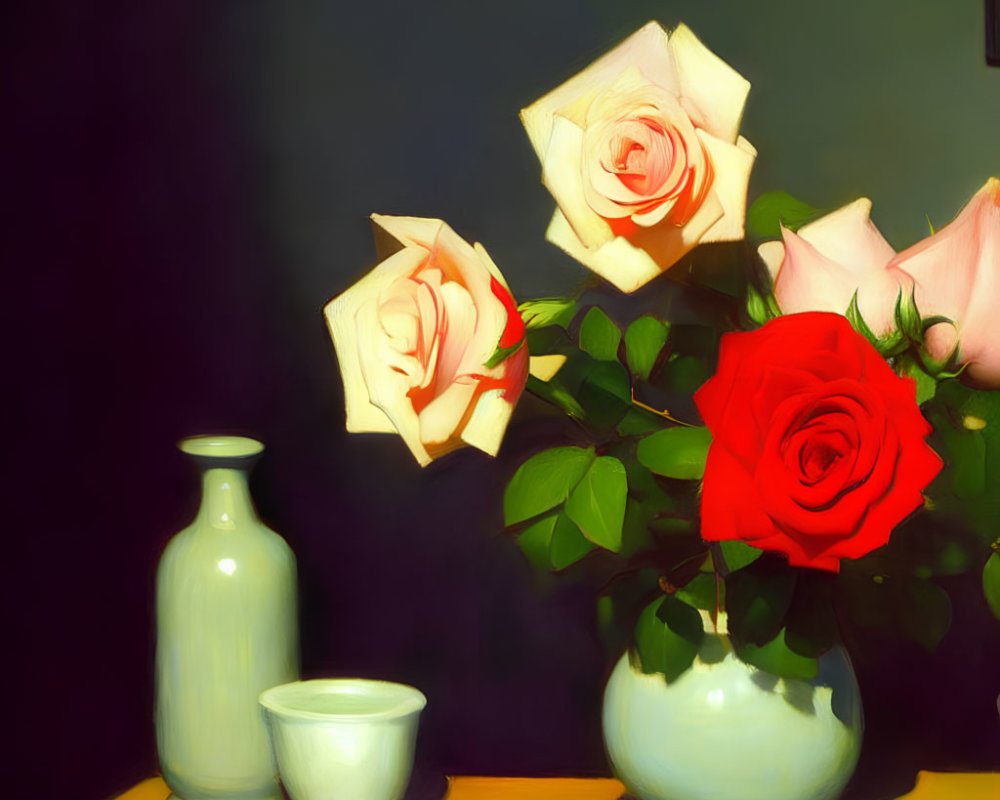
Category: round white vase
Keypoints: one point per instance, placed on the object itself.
(729, 730)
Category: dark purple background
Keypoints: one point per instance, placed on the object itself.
(187, 185)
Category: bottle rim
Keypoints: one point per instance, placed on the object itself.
(220, 446)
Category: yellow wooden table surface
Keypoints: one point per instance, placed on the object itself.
(469, 788)
(930, 786)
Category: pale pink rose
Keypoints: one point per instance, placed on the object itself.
(413, 338)
(642, 154)
(828, 260)
(957, 275)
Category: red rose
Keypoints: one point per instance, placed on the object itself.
(818, 447)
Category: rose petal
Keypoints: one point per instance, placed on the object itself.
(486, 426)
(849, 237)
(772, 254)
(653, 121)
(646, 50)
(667, 243)
(809, 281)
(561, 176)
(408, 231)
(786, 496)
(340, 313)
(941, 340)
(457, 338)
(813, 552)
(731, 165)
(444, 414)
(714, 88)
(914, 471)
(730, 508)
(716, 398)
(387, 388)
(618, 262)
(473, 273)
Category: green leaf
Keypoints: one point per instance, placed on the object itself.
(553, 542)
(667, 637)
(761, 309)
(738, 554)
(636, 422)
(646, 502)
(599, 336)
(502, 353)
(776, 658)
(552, 392)
(597, 504)
(773, 209)
(991, 583)
(700, 591)
(811, 627)
(619, 607)
(536, 540)
(547, 311)
(544, 481)
(671, 526)
(892, 344)
(605, 393)
(907, 316)
(676, 452)
(609, 377)
(967, 451)
(926, 385)
(569, 544)
(695, 340)
(951, 559)
(635, 528)
(853, 315)
(605, 613)
(644, 339)
(926, 613)
(546, 341)
(683, 373)
(967, 422)
(868, 596)
(757, 603)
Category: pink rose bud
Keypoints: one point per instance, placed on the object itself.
(827, 261)
(957, 275)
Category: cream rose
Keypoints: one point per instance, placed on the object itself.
(828, 260)
(642, 154)
(415, 335)
(957, 275)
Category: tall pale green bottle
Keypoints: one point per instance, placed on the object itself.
(227, 628)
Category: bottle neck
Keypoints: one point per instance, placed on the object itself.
(225, 500)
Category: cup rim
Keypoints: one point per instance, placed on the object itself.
(411, 699)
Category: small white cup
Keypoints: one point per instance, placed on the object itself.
(343, 739)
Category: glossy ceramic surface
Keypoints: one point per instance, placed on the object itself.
(343, 739)
(728, 730)
(226, 630)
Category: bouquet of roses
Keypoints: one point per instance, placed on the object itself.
(812, 441)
